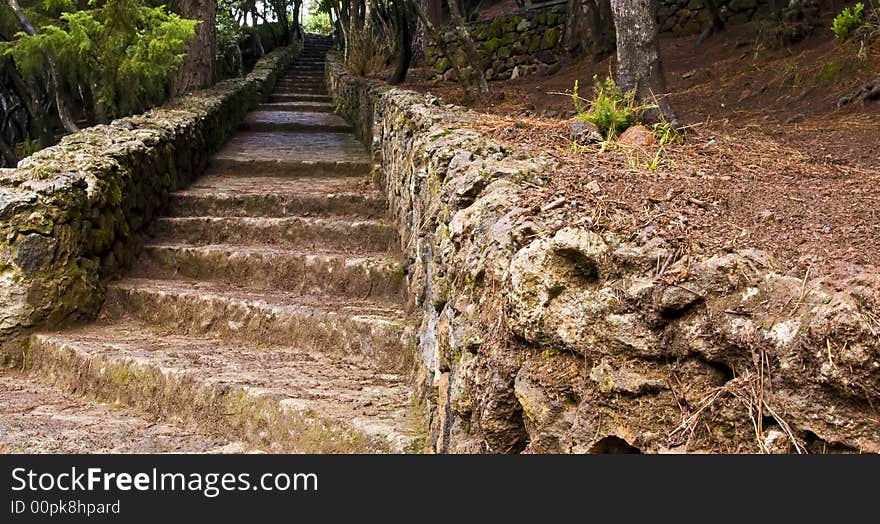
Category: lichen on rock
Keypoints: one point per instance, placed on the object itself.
(546, 337)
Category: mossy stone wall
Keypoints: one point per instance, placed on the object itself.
(530, 40)
(72, 215)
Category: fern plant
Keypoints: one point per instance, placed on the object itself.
(120, 51)
(611, 110)
(848, 21)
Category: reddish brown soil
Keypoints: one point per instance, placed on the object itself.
(769, 162)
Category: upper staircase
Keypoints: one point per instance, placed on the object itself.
(265, 312)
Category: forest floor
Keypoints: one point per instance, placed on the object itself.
(768, 160)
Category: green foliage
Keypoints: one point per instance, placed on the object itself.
(229, 34)
(318, 23)
(848, 21)
(121, 51)
(611, 110)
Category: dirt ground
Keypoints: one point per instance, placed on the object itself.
(768, 159)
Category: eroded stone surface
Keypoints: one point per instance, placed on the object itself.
(545, 336)
(36, 419)
(269, 307)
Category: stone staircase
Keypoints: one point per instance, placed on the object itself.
(265, 312)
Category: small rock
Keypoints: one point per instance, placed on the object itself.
(122, 123)
(611, 380)
(460, 161)
(593, 187)
(545, 57)
(637, 136)
(515, 74)
(583, 132)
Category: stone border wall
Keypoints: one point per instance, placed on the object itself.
(540, 336)
(520, 43)
(72, 215)
(530, 40)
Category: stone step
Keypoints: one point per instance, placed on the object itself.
(295, 75)
(370, 332)
(315, 233)
(299, 97)
(300, 87)
(281, 400)
(293, 85)
(36, 418)
(304, 122)
(257, 267)
(302, 77)
(306, 79)
(292, 154)
(222, 195)
(299, 90)
(304, 70)
(317, 107)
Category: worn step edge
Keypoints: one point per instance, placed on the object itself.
(300, 127)
(36, 417)
(299, 97)
(236, 412)
(261, 268)
(300, 90)
(289, 168)
(208, 202)
(314, 107)
(377, 335)
(364, 236)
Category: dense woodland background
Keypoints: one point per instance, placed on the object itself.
(67, 64)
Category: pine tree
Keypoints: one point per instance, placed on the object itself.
(118, 55)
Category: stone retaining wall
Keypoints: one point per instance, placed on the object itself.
(523, 42)
(539, 336)
(72, 215)
(688, 17)
(530, 40)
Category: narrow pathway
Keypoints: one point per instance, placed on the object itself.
(266, 308)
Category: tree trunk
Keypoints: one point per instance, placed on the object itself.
(433, 10)
(39, 125)
(258, 48)
(716, 24)
(54, 76)
(197, 70)
(470, 50)
(297, 6)
(403, 30)
(439, 41)
(606, 39)
(638, 56)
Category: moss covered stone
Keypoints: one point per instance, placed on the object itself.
(551, 38)
(492, 45)
(74, 213)
(535, 44)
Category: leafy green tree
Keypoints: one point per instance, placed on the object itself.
(117, 55)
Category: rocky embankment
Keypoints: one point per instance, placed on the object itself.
(544, 336)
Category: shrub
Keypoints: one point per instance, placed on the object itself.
(319, 23)
(848, 21)
(611, 110)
